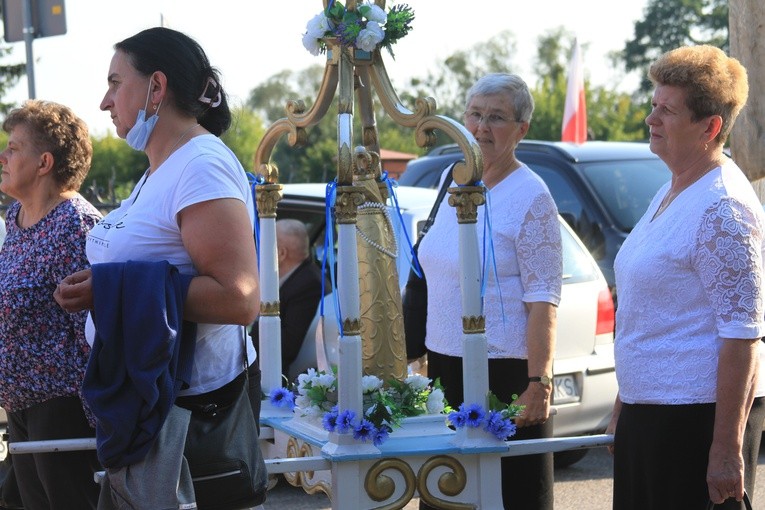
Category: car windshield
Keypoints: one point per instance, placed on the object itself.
(626, 187)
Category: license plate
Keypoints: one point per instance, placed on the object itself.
(565, 389)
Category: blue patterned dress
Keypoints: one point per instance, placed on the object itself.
(43, 351)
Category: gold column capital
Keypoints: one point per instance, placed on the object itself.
(267, 197)
(269, 309)
(467, 199)
(349, 198)
(474, 324)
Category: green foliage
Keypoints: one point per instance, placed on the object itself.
(115, 165)
(244, 136)
(451, 79)
(9, 77)
(669, 24)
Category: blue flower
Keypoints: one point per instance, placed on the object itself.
(345, 421)
(499, 426)
(282, 397)
(365, 431)
(458, 418)
(475, 414)
(381, 435)
(330, 420)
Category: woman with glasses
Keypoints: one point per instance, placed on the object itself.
(520, 302)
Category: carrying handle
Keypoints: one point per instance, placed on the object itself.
(747, 503)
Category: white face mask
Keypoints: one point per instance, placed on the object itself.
(139, 134)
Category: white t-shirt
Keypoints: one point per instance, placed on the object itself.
(687, 279)
(145, 227)
(527, 249)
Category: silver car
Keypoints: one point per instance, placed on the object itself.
(584, 378)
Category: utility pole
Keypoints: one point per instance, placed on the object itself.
(29, 37)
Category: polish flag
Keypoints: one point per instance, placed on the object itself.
(575, 112)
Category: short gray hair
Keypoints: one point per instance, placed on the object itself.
(294, 235)
(511, 85)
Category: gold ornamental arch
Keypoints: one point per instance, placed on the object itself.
(356, 77)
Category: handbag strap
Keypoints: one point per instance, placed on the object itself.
(436, 205)
(747, 503)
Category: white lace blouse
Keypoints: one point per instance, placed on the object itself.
(527, 247)
(687, 279)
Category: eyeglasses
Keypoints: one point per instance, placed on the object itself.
(494, 120)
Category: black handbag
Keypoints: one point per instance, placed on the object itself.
(414, 302)
(747, 503)
(224, 457)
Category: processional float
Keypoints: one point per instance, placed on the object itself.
(448, 469)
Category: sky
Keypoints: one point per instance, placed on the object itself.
(251, 40)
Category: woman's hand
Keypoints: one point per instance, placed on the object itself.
(75, 292)
(536, 398)
(725, 473)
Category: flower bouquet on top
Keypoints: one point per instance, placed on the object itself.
(364, 28)
(498, 420)
(384, 407)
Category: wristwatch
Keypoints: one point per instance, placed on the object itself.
(544, 380)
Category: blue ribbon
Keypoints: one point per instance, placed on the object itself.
(329, 252)
(254, 181)
(490, 256)
(391, 184)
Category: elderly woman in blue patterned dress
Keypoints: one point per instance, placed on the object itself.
(43, 351)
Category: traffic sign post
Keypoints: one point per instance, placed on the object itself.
(26, 20)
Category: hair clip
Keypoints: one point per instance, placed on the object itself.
(212, 102)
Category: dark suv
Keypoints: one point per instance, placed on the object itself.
(601, 188)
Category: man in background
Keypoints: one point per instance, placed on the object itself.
(300, 288)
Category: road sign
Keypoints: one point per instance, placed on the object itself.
(48, 18)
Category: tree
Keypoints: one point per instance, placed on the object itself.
(244, 135)
(669, 24)
(454, 76)
(9, 77)
(747, 22)
(115, 169)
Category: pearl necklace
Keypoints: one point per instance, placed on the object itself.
(381, 207)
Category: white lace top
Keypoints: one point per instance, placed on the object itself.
(687, 279)
(527, 247)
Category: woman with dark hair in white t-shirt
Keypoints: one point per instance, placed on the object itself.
(192, 208)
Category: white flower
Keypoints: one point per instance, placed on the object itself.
(302, 401)
(370, 383)
(370, 36)
(313, 412)
(417, 382)
(325, 380)
(306, 380)
(435, 402)
(318, 26)
(375, 13)
(311, 43)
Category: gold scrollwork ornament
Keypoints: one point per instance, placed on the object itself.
(380, 486)
(451, 483)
